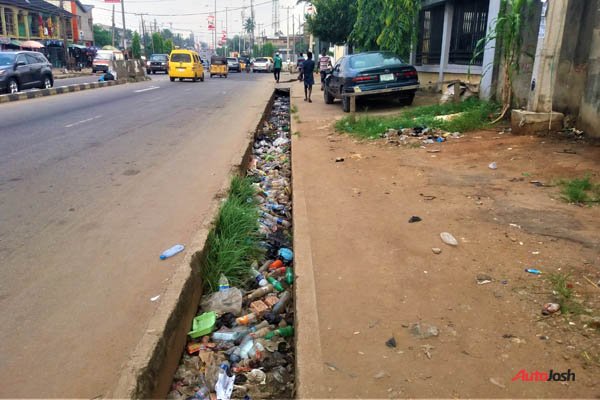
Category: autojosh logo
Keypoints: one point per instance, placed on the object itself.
(538, 376)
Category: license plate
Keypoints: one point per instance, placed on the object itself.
(180, 69)
(386, 77)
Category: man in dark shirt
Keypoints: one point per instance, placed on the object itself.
(308, 68)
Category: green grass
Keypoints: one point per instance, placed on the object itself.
(560, 284)
(294, 109)
(476, 115)
(580, 190)
(233, 243)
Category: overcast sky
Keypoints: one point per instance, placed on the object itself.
(167, 12)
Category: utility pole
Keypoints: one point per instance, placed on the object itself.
(144, 35)
(215, 39)
(226, 31)
(63, 27)
(287, 24)
(113, 26)
(124, 30)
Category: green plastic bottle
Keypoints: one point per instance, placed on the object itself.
(289, 276)
(275, 284)
(287, 331)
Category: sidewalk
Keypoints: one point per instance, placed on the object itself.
(366, 275)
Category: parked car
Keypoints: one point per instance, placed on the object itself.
(368, 72)
(264, 64)
(24, 70)
(233, 64)
(157, 62)
(185, 64)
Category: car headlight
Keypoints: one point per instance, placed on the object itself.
(163, 63)
(2, 72)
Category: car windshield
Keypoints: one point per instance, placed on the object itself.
(261, 60)
(7, 59)
(103, 56)
(231, 60)
(158, 58)
(181, 58)
(372, 60)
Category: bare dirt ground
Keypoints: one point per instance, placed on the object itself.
(376, 274)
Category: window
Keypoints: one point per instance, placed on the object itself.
(21, 58)
(429, 48)
(468, 27)
(183, 58)
(372, 60)
(8, 17)
(31, 59)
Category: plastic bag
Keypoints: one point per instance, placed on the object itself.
(226, 301)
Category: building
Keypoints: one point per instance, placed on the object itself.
(280, 43)
(82, 24)
(448, 33)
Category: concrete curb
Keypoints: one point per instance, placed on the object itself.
(308, 340)
(7, 98)
(149, 371)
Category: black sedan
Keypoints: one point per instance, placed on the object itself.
(156, 63)
(24, 70)
(372, 74)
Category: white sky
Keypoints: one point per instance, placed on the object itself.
(168, 12)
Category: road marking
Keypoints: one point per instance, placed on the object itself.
(147, 89)
(83, 121)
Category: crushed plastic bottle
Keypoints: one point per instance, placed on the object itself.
(448, 239)
(170, 252)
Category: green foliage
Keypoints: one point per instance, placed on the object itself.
(158, 43)
(249, 25)
(386, 25)
(580, 190)
(560, 285)
(102, 37)
(234, 241)
(267, 50)
(475, 115)
(168, 46)
(136, 47)
(333, 20)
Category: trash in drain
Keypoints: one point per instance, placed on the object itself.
(247, 351)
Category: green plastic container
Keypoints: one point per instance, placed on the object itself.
(203, 324)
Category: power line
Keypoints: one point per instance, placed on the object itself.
(191, 14)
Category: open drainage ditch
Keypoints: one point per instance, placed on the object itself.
(241, 341)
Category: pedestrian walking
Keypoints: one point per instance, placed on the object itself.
(308, 69)
(299, 66)
(277, 64)
(325, 66)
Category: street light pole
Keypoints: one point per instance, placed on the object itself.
(63, 27)
(124, 30)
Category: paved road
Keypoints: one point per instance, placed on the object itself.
(93, 186)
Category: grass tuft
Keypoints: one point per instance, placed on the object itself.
(234, 241)
(560, 285)
(475, 115)
(580, 190)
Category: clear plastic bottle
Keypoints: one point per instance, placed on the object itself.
(223, 283)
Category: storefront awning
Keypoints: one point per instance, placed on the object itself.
(4, 40)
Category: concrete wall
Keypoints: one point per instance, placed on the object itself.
(589, 111)
(429, 80)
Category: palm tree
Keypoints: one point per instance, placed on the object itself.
(249, 26)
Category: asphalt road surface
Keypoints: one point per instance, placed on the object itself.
(93, 186)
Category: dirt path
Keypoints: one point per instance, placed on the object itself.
(376, 275)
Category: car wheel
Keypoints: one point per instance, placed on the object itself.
(172, 79)
(407, 101)
(13, 86)
(211, 75)
(194, 79)
(46, 82)
(93, 71)
(180, 79)
(327, 96)
(346, 103)
(202, 78)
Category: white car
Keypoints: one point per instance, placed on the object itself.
(263, 64)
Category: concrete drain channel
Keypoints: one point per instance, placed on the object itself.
(241, 340)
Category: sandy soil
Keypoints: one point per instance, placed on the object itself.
(376, 274)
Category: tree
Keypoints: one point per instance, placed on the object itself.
(386, 25)
(168, 46)
(267, 50)
(136, 47)
(157, 43)
(249, 26)
(333, 21)
(102, 37)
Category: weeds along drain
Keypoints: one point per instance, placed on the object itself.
(241, 343)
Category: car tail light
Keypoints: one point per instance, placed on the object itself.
(365, 78)
(407, 74)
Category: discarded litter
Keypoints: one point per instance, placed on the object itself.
(533, 271)
(550, 308)
(241, 343)
(339, 159)
(424, 331)
(449, 239)
(436, 250)
(493, 165)
(391, 342)
(414, 219)
(483, 279)
(178, 248)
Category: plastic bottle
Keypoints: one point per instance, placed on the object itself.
(275, 284)
(277, 272)
(286, 254)
(289, 276)
(261, 332)
(282, 303)
(275, 264)
(275, 220)
(223, 283)
(246, 319)
(287, 331)
(259, 278)
(246, 346)
(178, 248)
(258, 293)
(265, 266)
